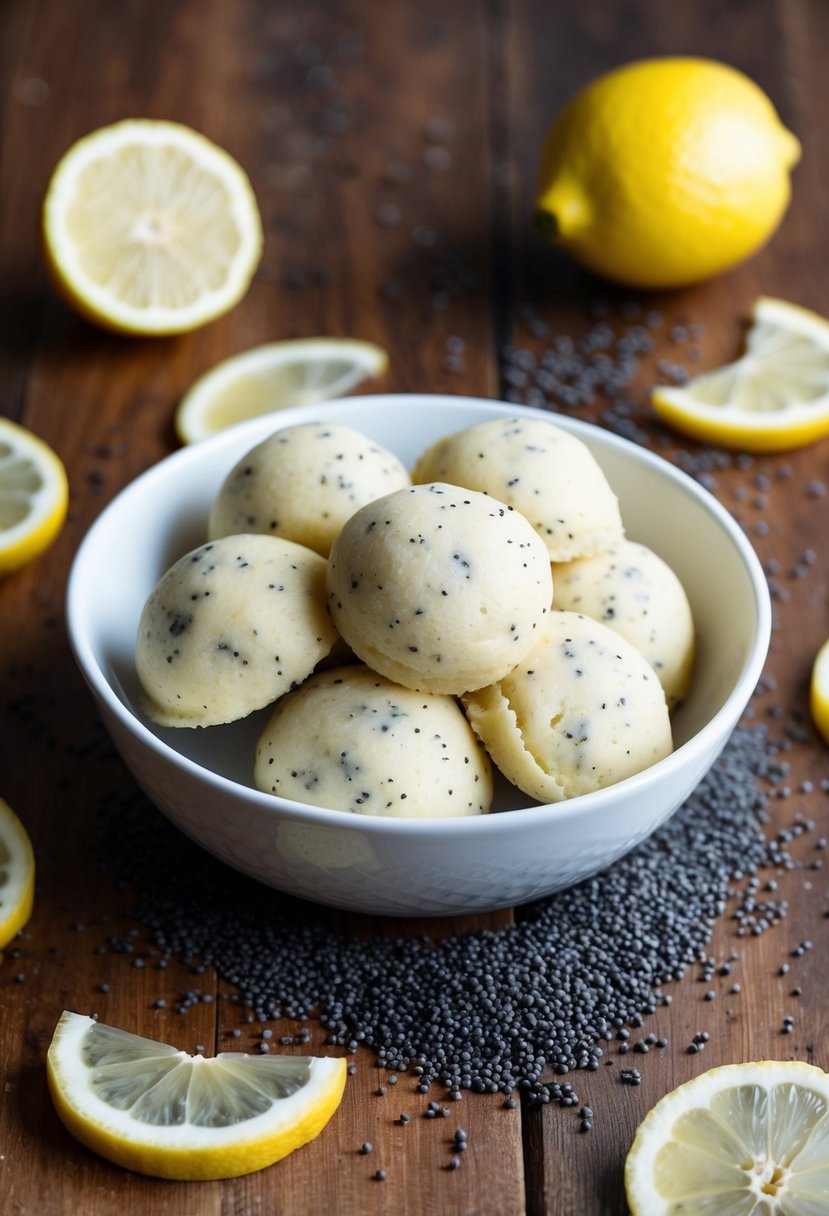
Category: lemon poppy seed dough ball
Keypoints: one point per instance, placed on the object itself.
(637, 594)
(438, 587)
(303, 482)
(350, 740)
(542, 470)
(582, 711)
(230, 628)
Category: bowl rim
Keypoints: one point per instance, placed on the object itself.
(569, 809)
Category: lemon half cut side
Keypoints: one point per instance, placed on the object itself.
(150, 228)
(151, 1108)
(773, 398)
(300, 371)
(34, 496)
(17, 875)
(739, 1140)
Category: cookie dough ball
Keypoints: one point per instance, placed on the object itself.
(633, 591)
(303, 483)
(582, 711)
(230, 628)
(351, 740)
(438, 587)
(543, 471)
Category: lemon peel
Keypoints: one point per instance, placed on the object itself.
(736, 1140)
(665, 171)
(774, 398)
(150, 1108)
(271, 377)
(34, 496)
(819, 692)
(17, 875)
(150, 228)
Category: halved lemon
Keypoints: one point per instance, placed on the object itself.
(17, 875)
(151, 1108)
(150, 228)
(34, 495)
(819, 691)
(740, 1140)
(773, 398)
(272, 377)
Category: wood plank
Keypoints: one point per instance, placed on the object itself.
(393, 149)
(780, 47)
(367, 170)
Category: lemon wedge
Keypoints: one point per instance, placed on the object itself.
(272, 377)
(151, 1108)
(739, 1140)
(149, 228)
(17, 875)
(34, 495)
(819, 692)
(775, 397)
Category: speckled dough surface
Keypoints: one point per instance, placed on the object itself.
(439, 588)
(303, 482)
(230, 628)
(547, 474)
(582, 711)
(634, 592)
(350, 740)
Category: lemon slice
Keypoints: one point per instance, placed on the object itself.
(271, 377)
(150, 228)
(775, 397)
(33, 496)
(819, 691)
(740, 1140)
(151, 1108)
(17, 875)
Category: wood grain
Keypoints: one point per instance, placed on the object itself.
(393, 150)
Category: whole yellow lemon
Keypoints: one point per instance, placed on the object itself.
(665, 171)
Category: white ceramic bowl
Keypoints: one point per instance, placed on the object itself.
(202, 779)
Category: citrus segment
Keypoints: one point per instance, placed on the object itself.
(739, 1140)
(773, 398)
(819, 691)
(151, 1108)
(271, 377)
(149, 228)
(17, 875)
(33, 496)
(665, 171)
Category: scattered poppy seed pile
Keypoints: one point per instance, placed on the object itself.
(491, 1010)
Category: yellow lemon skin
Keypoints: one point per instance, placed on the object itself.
(819, 692)
(665, 172)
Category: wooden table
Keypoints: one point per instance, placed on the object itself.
(393, 149)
